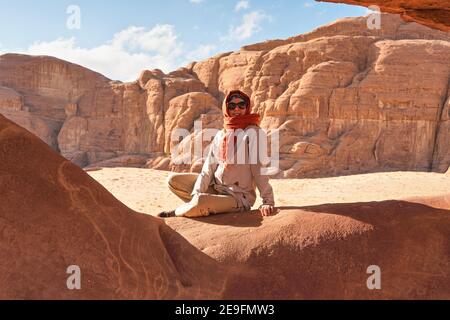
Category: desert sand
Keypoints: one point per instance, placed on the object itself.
(145, 190)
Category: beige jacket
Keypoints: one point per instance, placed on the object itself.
(237, 179)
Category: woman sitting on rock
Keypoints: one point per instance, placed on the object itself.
(223, 185)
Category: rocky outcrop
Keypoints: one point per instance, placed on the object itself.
(58, 216)
(36, 91)
(53, 215)
(344, 99)
(432, 13)
(324, 251)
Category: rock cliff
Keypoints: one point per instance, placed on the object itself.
(344, 99)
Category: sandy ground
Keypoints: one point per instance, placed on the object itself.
(145, 190)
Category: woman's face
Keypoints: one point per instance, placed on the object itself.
(236, 106)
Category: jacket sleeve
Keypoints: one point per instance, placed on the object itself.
(209, 167)
(262, 180)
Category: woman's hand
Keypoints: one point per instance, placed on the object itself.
(267, 210)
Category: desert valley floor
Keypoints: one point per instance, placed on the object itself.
(145, 190)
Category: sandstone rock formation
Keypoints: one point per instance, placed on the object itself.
(53, 215)
(431, 13)
(39, 93)
(344, 99)
(323, 251)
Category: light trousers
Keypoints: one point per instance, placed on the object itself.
(201, 204)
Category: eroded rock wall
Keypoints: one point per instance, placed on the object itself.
(344, 99)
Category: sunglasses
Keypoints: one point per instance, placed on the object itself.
(232, 105)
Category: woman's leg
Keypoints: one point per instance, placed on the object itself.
(204, 204)
(181, 184)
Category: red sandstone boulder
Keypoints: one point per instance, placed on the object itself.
(53, 215)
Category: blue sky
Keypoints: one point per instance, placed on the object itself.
(121, 38)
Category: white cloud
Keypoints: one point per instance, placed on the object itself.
(161, 39)
(242, 5)
(114, 62)
(309, 4)
(202, 52)
(196, 1)
(128, 52)
(126, 55)
(251, 24)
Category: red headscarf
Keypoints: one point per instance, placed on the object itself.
(236, 122)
